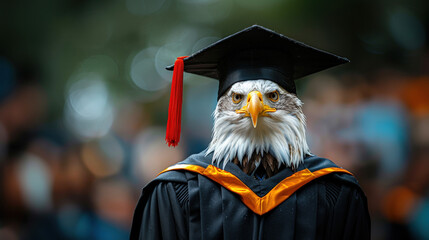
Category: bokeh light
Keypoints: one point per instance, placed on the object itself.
(407, 29)
(36, 182)
(143, 71)
(88, 111)
(151, 142)
(103, 158)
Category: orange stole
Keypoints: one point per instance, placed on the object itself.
(260, 205)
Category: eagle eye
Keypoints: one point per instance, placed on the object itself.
(236, 97)
(274, 96)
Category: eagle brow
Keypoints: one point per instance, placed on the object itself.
(237, 92)
(272, 89)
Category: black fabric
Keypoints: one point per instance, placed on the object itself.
(244, 74)
(254, 64)
(282, 59)
(182, 194)
(330, 207)
(333, 190)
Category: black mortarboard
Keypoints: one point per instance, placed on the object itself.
(251, 54)
(258, 53)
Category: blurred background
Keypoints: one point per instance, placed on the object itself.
(84, 98)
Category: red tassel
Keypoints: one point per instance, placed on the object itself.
(175, 107)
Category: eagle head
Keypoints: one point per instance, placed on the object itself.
(256, 121)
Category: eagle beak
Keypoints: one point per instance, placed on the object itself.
(255, 107)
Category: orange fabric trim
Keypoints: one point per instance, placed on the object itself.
(260, 205)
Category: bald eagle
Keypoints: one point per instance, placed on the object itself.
(258, 123)
(257, 179)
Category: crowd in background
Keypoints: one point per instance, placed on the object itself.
(55, 187)
(378, 128)
(84, 99)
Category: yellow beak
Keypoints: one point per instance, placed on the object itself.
(255, 107)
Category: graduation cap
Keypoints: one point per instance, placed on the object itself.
(251, 54)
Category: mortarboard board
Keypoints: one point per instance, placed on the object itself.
(250, 54)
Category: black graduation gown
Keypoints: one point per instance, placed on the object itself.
(182, 204)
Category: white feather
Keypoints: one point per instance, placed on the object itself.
(282, 134)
